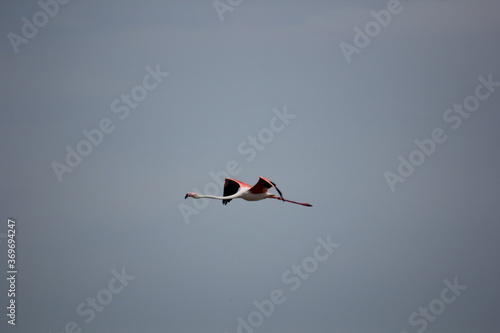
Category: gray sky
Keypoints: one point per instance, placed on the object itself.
(328, 99)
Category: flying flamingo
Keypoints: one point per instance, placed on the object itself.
(234, 189)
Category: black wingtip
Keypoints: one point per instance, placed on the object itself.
(277, 189)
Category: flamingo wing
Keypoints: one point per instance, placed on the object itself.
(263, 185)
(232, 186)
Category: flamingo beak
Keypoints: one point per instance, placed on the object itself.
(187, 195)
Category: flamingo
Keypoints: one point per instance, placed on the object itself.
(234, 189)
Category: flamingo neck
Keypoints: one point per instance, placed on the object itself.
(209, 197)
(218, 198)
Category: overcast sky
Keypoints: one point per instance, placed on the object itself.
(384, 115)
